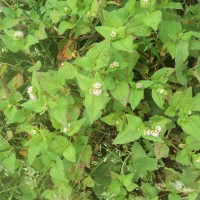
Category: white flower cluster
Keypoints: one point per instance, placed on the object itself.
(113, 34)
(97, 91)
(19, 34)
(113, 65)
(67, 128)
(160, 91)
(146, 2)
(139, 85)
(154, 133)
(30, 93)
(34, 132)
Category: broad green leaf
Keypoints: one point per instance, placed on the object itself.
(149, 191)
(169, 30)
(88, 182)
(4, 145)
(67, 72)
(141, 162)
(84, 82)
(70, 153)
(55, 16)
(182, 53)
(111, 20)
(161, 150)
(7, 22)
(184, 157)
(40, 34)
(191, 125)
(174, 5)
(75, 126)
(9, 162)
(131, 132)
(94, 105)
(124, 44)
(158, 98)
(121, 92)
(14, 115)
(153, 19)
(136, 95)
(63, 26)
(59, 111)
(173, 196)
(99, 55)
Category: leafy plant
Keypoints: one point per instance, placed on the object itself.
(99, 99)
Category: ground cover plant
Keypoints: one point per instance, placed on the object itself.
(99, 99)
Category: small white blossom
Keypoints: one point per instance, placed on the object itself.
(189, 112)
(114, 64)
(198, 160)
(146, 2)
(88, 14)
(155, 132)
(30, 89)
(62, 64)
(96, 91)
(33, 132)
(66, 129)
(97, 85)
(113, 34)
(30, 93)
(160, 91)
(139, 85)
(158, 128)
(19, 34)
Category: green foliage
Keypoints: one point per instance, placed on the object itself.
(99, 99)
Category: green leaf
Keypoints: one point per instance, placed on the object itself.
(75, 126)
(40, 34)
(169, 30)
(131, 132)
(182, 53)
(55, 16)
(191, 125)
(172, 196)
(141, 162)
(84, 82)
(70, 153)
(153, 19)
(88, 182)
(7, 22)
(94, 105)
(158, 98)
(124, 44)
(121, 92)
(174, 5)
(136, 95)
(161, 150)
(111, 20)
(67, 72)
(63, 26)
(9, 162)
(99, 55)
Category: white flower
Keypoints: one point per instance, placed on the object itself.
(158, 128)
(66, 129)
(114, 64)
(30, 93)
(96, 91)
(189, 112)
(30, 89)
(88, 14)
(154, 133)
(97, 85)
(160, 91)
(19, 34)
(113, 34)
(198, 160)
(33, 132)
(139, 85)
